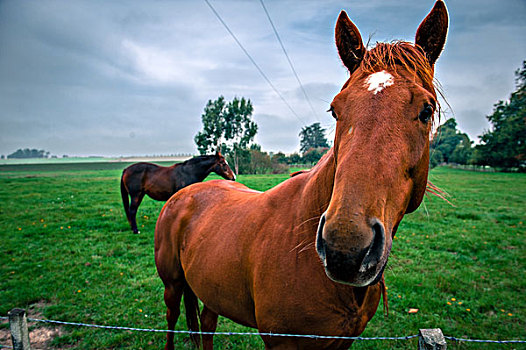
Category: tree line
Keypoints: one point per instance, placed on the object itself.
(503, 146)
(228, 128)
(28, 153)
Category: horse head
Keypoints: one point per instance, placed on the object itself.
(222, 168)
(384, 114)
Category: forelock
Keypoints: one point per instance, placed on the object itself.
(396, 55)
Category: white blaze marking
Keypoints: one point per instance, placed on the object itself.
(376, 82)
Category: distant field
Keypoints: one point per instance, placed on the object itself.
(70, 160)
(67, 248)
(15, 161)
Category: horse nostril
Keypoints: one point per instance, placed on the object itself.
(375, 251)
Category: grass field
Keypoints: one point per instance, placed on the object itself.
(66, 247)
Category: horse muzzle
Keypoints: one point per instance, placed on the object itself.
(352, 263)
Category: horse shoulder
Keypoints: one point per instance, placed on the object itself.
(193, 205)
(206, 241)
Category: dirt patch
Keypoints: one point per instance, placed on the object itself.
(40, 334)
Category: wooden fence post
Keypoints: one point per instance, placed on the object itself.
(431, 339)
(19, 332)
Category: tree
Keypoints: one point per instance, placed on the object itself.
(463, 151)
(213, 119)
(313, 155)
(450, 145)
(227, 127)
(312, 136)
(435, 158)
(505, 144)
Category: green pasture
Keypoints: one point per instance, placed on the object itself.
(67, 250)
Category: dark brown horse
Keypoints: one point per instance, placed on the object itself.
(307, 256)
(160, 182)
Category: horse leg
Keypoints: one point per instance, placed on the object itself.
(208, 324)
(172, 299)
(134, 205)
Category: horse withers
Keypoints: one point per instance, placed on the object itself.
(308, 256)
(160, 182)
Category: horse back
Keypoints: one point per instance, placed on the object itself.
(156, 181)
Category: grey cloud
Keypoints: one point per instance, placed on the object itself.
(111, 78)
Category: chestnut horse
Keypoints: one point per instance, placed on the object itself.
(307, 256)
(160, 182)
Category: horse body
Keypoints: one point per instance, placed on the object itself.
(165, 180)
(307, 256)
(160, 183)
(255, 263)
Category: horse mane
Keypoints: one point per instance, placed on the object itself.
(197, 159)
(436, 191)
(298, 172)
(383, 289)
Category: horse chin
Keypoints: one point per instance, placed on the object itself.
(361, 269)
(362, 279)
(357, 275)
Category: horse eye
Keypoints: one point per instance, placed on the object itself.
(333, 113)
(426, 113)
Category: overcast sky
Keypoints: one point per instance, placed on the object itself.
(115, 78)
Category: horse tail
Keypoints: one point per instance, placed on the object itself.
(125, 198)
(192, 313)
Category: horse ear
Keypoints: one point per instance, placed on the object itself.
(432, 32)
(349, 42)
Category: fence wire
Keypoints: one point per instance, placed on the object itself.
(312, 336)
(216, 333)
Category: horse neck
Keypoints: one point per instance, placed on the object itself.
(308, 194)
(198, 171)
(318, 186)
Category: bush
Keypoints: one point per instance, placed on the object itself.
(313, 155)
(255, 161)
(294, 158)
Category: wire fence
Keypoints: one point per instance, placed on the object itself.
(312, 336)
